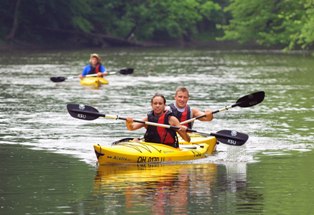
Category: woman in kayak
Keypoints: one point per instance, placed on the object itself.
(159, 115)
(94, 67)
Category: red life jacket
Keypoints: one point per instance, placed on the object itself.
(94, 70)
(158, 134)
(182, 116)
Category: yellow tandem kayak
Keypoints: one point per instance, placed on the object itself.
(94, 82)
(129, 151)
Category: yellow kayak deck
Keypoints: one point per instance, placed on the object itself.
(130, 151)
(95, 82)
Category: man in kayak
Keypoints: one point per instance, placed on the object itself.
(158, 114)
(94, 67)
(183, 111)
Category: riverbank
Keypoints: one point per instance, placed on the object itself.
(215, 45)
(19, 46)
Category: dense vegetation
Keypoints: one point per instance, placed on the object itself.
(269, 23)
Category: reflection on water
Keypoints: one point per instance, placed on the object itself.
(175, 189)
(39, 182)
(42, 182)
(156, 188)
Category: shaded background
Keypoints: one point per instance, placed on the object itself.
(219, 24)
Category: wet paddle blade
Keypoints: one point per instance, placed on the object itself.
(231, 137)
(84, 112)
(251, 100)
(126, 71)
(57, 79)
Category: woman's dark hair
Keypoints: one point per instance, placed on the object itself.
(156, 95)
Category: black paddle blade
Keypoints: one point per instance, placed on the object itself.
(251, 100)
(231, 137)
(57, 79)
(84, 112)
(126, 71)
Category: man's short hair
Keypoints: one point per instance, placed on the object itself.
(182, 89)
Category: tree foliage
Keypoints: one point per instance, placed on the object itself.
(286, 23)
(142, 19)
(270, 23)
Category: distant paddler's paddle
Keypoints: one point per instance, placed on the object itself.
(61, 79)
(86, 112)
(126, 71)
(245, 101)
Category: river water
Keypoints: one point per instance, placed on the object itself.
(47, 161)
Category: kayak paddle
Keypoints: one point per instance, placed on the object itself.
(245, 101)
(86, 112)
(126, 71)
(61, 79)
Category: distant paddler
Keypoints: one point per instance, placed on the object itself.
(94, 67)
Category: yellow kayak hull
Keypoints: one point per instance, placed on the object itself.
(95, 82)
(145, 152)
(197, 139)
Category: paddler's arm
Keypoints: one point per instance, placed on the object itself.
(182, 131)
(131, 125)
(209, 115)
(103, 71)
(85, 71)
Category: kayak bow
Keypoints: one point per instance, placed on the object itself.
(94, 82)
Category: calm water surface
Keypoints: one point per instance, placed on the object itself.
(47, 161)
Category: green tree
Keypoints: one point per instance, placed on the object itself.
(270, 23)
(305, 37)
(152, 19)
(31, 18)
(88, 21)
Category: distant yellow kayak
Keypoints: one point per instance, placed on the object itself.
(129, 151)
(94, 82)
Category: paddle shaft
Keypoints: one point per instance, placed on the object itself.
(94, 75)
(82, 115)
(245, 101)
(89, 113)
(91, 75)
(126, 71)
(214, 112)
